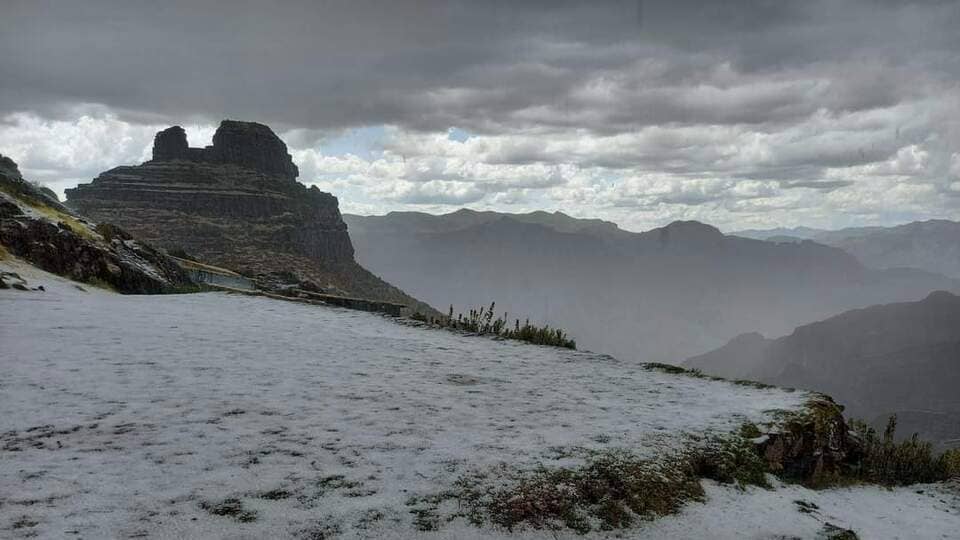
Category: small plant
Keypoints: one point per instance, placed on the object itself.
(481, 321)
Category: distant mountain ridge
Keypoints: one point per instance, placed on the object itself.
(901, 358)
(932, 245)
(659, 295)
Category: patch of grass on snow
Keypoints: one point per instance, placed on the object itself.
(678, 370)
(613, 490)
(230, 508)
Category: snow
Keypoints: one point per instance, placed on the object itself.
(916, 512)
(122, 415)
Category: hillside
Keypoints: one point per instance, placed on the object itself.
(662, 295)
(932, 245)
(36, 227)
(899, 359)
(347, 424)
(235, 204)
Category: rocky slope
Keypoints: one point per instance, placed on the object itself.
(932, 245)
(34, 226)
(662, 295)
(899, 359)
(235, 204)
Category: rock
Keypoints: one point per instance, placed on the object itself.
(59, 241)
(13, 280)
(9, 209)
(235, 204)
(814, 447)
(253, 146)
(135, 270)
(9, 168)
(170, 144)
(246, 144)
(16, 187)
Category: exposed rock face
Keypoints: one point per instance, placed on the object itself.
(247, 144)
(813, 447)
(235, 204)
(35, 227)
(170, 144)
(253, 146)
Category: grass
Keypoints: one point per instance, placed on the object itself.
(481, 321)
(614, 489)
(677, 370)
(4, 254)
(41, 207)
(230, 508)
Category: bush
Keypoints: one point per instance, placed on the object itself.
(481, 321)
(884, 461)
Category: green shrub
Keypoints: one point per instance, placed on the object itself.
(885, 461)
(733, 460)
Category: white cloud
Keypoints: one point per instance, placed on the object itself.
(831, 169)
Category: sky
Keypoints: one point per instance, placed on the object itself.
(742, 114)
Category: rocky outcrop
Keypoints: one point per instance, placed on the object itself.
(234, 204)
(246, 144)
(171, 144)
(813, 446)
(36, 228)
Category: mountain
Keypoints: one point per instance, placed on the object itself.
(661, 295)
(235, 204)
(35, 227)
(901, 358)
(932, 245)
(800, 233)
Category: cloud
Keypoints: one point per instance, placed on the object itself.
(743, 113)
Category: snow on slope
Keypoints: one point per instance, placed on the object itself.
(122, 416)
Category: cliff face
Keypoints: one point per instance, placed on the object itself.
(235, 204)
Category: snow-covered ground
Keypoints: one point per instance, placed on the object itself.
(135, 416)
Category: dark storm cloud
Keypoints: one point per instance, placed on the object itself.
(682, 108)
(482, 66)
